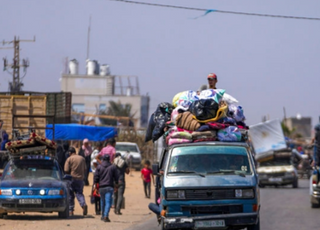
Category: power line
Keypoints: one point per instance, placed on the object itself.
(206, 11)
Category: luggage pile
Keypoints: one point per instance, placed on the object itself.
(34, 140)
(210, 115)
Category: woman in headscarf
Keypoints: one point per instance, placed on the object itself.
(86, 152)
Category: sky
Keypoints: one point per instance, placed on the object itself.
(267, 64)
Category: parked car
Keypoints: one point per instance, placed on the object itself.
(279, 168)
(131, 152)
(34, 184)
(315, 188)
(208, 185)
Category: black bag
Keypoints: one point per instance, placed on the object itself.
(150, 129)
(161, 116)
(204, 109)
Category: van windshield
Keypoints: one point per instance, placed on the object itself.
(276, 162)
(209, 160)
(126, 148)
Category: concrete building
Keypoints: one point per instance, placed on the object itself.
(301, 125)
(93, 91)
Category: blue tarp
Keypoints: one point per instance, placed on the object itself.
(80, 132)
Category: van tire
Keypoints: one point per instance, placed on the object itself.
(254, 227)
(295, 183)
(162, 227)
(315, 205)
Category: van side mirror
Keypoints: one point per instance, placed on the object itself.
(155, 168)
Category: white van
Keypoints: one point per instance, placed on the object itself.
(131, 152)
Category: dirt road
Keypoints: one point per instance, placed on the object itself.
(136, 211)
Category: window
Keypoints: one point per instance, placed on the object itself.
(210, 159)
(126, 148)
(32, 169)
(102, 107)
(79, 108)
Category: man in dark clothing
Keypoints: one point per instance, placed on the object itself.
(76, 166)
(106, 173)
(118, 194)
(65, 146)
(60, 155)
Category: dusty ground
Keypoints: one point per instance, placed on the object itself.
(136, 210)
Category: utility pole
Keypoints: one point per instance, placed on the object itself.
(16, 85)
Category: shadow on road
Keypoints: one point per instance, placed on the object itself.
(18, 217)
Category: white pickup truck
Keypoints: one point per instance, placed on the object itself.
(131, 152)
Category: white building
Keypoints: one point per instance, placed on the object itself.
(93, 91)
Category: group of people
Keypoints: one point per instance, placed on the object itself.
(109, 176)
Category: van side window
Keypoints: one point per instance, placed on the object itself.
(165, 160)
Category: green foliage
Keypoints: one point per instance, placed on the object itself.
(118, 110)
(130, 135)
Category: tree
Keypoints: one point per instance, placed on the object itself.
(117, 109)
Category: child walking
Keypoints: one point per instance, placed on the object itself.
(97, 202)
(95, 190)
(146, 175)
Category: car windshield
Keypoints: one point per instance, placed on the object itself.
(126, 148)
(210, 160)
(31, 169)
(276, 162)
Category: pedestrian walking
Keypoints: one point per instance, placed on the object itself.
(95, 195)
(122, 168)
(106, 174)
(65, 146)
(94, 154)
(146, 175)
(109, 150)
(76, 166)
(61, 157)
(86, 151)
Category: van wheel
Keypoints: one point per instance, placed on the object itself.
(315, 205)
(254, 227)
(162, 227)
(3, 215)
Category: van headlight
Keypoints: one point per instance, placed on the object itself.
(244, 193)
(176, 194)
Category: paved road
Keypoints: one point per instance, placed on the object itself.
(282, 208)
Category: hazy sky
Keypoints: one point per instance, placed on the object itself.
(266, 63)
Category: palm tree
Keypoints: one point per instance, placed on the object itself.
(117, 109)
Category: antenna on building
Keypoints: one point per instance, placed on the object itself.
(88, 40)
(16, 84)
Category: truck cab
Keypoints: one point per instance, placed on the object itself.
(208, 185)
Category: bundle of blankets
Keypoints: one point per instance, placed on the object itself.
(209, 115)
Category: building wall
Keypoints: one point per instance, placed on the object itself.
(302, 126)
(92, 93)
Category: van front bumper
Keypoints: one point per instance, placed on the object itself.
(237, 219)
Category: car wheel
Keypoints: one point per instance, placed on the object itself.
(254, 227)
(295, 183)
(64, 214)
(3, 215)
(309, 174)
(315, 205)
